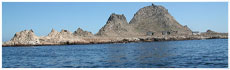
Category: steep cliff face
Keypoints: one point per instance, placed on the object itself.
(156, 19)
(24, 37)
(116, 25)
(81, 32)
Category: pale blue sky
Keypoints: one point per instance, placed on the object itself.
(42, 17)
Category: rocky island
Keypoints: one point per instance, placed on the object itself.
(150, 23)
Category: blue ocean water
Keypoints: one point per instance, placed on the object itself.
(211, 53)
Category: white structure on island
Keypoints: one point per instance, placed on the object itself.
(195, 33)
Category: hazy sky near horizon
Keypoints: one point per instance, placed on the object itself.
(91, 16)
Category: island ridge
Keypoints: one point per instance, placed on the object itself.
(150, 23)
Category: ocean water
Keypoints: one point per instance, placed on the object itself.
(211, 53)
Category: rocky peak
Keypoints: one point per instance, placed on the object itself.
(81, 32)
(156, 18)
(62, 34)
(31, 31)
(25, 37)
(65, 32)
(53, 33)
(150, 11)
(116, 25)
(210, 31)
(24, 33)
(116, 17)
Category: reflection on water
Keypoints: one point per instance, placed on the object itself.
(211, 53)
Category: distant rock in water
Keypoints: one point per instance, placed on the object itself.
(214, 34)
(116, 25)
(83, 33)
(24, 37)
(157, 19)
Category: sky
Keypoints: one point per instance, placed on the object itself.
(41, 17)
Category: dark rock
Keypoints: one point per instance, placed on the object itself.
(83, 33)
(156, 18)
(116, 25)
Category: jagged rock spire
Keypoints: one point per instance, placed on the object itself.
(79, 30)
(116, 25)
(117, 18)
(53, 30)
(53, 33)
(25, 37)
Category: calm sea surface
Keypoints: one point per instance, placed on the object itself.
(212, 53)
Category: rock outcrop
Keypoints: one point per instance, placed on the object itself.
(60, 37)
(210, 33)
(151, 23)
(82, 33)
(53, 33)
(116, 25)
(157, 19)
(24, 37)
(150, 20)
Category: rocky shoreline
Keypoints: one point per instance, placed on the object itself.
(125, 40)
(150, 23)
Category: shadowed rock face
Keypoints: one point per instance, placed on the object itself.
(116, 25)
(83, 33)
(156, 19)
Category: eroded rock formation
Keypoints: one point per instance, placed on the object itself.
(24, 37)
(116, 25)
(83, 33)
(157, 19)
(151, 23)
